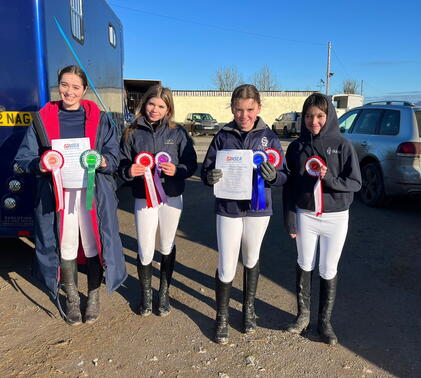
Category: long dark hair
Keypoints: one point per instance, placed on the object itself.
(74, 70)
(161, 92)
(318, 100)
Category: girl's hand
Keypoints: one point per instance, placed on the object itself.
(137, 170)
(293, 236)
(103, 162)
(169, 169)
(323, 171)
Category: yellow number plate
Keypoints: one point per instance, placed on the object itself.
(15, 118)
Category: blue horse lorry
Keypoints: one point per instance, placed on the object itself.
(38, 38)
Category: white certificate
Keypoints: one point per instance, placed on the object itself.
(237, 174)
(74, 176)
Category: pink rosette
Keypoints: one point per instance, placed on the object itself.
(53, 161)
(147, 160)
(313, 165)
(274, 157)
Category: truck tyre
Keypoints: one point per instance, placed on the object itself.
(286, 133)
(372, 190)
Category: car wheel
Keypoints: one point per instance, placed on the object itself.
(372, 190)
(286, 133)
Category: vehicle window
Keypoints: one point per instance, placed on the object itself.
(196, 117)
(76, 18)
(367, 122)
(390, 123)
(207, 117)
(346, 121)
(112, 38)
(418, 118)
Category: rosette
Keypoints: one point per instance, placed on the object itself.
(53, 161)
(147, 160)
(313, 166)
(274, 157)
(160, 157)
(258, 198)
(90, 160)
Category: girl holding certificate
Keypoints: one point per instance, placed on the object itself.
(325, 174)
(157, 156)
(242, 223)
(66, 222)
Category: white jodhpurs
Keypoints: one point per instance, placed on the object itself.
(234, 233)
(330, 229)
(76, 221)
(167, 216)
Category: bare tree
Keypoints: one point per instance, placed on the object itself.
(264, 80)
(350, 86)
(227, 78)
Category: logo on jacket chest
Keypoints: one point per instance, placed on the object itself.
(169, 141)
(264, 142)
(331, 151)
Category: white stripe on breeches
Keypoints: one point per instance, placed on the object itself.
(331, 230)
(166, 216)
(234, 233)
(77, 220)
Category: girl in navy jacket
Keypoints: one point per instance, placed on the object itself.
(152, 134)
(238, 225)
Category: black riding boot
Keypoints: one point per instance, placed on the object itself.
(145, 277)
(222, 293)
(250, 278)
(327, 301)
(68, 276)
(95, 273)
(303, 287)
(167, 268)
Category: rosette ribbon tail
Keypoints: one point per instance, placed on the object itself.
(58, 189)
(318, 197)
(152, 199)
(158, 184)
(90, 186)
(258, 199)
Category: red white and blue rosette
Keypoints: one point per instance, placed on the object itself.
(160, 157)
(147, 160)
(258, 198)
(53, 161)
(313, 165)
(274, 157)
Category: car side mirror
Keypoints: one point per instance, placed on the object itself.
(342, 129)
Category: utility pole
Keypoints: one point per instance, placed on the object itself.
(328, 73)
(362, 82)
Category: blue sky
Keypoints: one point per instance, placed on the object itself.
(183, 43)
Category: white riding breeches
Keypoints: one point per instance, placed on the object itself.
(330, 229)
(167, 216)
(234, 233)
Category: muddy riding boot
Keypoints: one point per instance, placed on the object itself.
(145, 277)
(68, 276)
(250, 278)
(303, 287)
(327, 301)
(222, 293)
(94, 283)
(167, 269)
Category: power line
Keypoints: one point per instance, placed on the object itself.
(220, 27)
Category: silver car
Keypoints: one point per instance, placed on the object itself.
(386, 137)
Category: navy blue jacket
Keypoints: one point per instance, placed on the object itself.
(343, 176)
(174, 141)
(259, 138)
(47, 234)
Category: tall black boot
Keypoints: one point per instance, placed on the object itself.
(303, 287)
(167, 269)
(145, 277)
(95, 273)
(250, 279)
(68, 276)
(327, 301)
(222, 293)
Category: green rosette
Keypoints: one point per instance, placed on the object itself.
(90, 160)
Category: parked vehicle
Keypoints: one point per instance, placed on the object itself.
(201, 124)
(386, 137)
(287, 124)
(40, 38)
(345, 102)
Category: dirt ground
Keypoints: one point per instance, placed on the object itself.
(377, 316)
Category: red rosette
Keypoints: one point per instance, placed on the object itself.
(313, 165)
(146, 159)
(274, 157)
(52, 160)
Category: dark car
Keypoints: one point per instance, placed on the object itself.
(201, 124)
